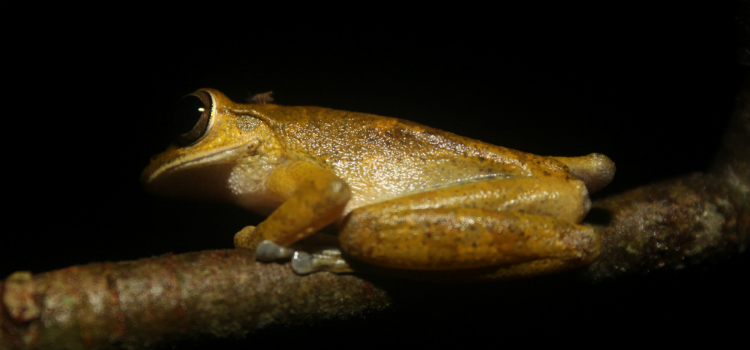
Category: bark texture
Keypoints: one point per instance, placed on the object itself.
(143, 303)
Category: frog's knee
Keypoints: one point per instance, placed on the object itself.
(595, 169)
(601, 171)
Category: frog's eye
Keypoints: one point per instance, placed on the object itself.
(195, 112)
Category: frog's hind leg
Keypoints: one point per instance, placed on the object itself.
(456, 245)
(498, 228)
(522, 226)
(468, 238)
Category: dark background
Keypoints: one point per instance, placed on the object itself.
(88, 90)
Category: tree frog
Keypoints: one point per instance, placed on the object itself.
(405, 197)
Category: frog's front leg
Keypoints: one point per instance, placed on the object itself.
(312, 197)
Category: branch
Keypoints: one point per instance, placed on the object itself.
(150, 301)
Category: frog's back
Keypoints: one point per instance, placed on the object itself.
(381, 157)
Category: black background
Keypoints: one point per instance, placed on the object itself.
(88, 89)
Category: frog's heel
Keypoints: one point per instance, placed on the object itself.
(595, 169)
(467, 238)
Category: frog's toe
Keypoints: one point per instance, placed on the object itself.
(270, 251)
(325, 260)
(304, 263)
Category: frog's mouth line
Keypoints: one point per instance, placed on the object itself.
(178, 164)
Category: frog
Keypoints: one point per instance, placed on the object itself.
(402, 198)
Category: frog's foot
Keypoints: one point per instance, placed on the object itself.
(269, 251)
(323, 260)
(303, 263)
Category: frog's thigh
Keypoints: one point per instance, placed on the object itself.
(565, 199)
(446, 239)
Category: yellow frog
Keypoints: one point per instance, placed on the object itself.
(405, 197)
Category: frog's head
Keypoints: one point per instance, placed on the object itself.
(199, 162)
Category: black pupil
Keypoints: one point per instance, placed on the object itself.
(187, 114)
